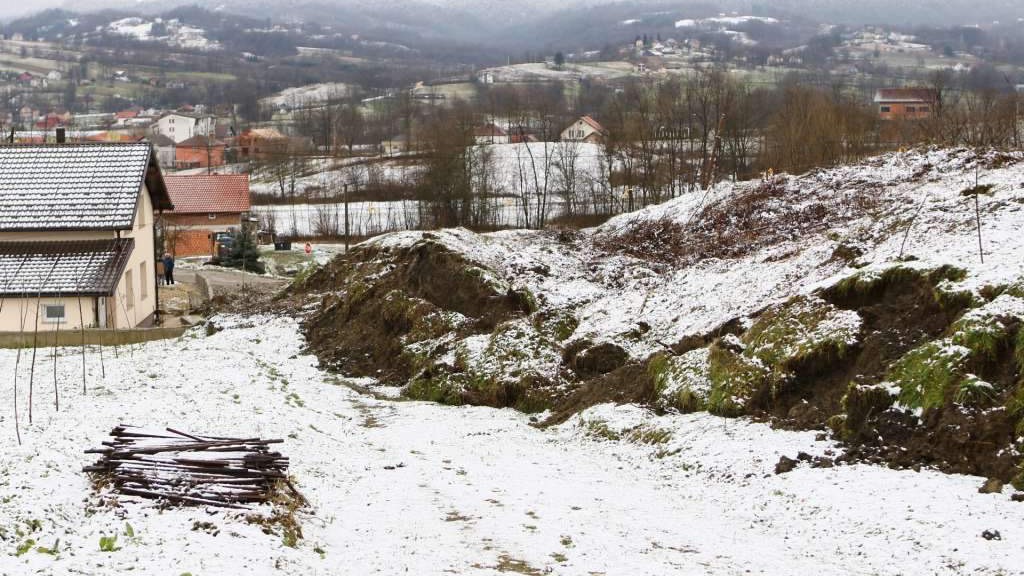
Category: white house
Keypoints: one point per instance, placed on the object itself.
(179, 126)
(77, 235)
(586, 129)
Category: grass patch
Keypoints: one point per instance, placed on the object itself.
(438, 389)
(681, 382)
(864, 287)
(928, 374)
(802, 328)
(283, 520)
(736, 380)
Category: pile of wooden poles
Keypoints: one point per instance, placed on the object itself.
(186, 469)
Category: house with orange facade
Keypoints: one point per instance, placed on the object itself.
(906, 103)
(262, 144)
(199, 152)
(204, 206)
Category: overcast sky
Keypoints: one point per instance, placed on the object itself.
(10, 8)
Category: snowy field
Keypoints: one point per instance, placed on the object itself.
(402, 487)
(370, 218)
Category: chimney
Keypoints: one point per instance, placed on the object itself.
(61, 136)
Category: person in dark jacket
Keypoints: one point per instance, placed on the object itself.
(168, 261)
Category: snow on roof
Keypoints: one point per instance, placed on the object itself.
(906, 95)
(56, 187)
(207, 194)
(53, 269)
(264, 134)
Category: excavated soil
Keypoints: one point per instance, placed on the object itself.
(375, 301)
(361, 326)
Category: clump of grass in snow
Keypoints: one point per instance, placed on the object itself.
(868, 285)
(929, 373)
(989, 330)
(803, 327)
(805, 330)
(736, 379)
(682, 382)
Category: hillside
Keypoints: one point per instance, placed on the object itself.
(852, 300)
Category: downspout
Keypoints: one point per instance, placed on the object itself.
(112, 319)
(156, 281)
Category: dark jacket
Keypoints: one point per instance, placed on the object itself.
(168, 263)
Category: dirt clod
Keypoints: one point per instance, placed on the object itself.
(786, 464)
(991, 486)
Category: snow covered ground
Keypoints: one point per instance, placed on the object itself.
(309, 95)
(174, 34)
(403, 487)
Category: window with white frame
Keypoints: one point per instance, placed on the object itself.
(54, 314)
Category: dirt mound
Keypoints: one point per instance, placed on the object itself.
(376, 300)
(629, 384)
(765, 214)
(929, 379)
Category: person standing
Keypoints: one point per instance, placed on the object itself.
(168, 262)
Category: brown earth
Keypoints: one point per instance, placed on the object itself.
(360, 328)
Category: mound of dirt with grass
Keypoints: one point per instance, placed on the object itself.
(376, 301)
(851, 300)
(896, 366)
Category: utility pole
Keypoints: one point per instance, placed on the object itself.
(345, 196)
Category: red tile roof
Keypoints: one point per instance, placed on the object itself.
(209, 194)
(593, 124)
(200, 141)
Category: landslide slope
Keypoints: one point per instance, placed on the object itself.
(853, 299)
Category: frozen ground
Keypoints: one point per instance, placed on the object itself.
(402, 487)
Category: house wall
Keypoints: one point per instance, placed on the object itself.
(19, 314)
(580, 131)
(135, 305)
(191, 233)
(165, 156)
(905, 110)
(140, 271)
(198, 157)
(181, 128)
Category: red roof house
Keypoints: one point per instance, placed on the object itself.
(204, 206)
(906, 103)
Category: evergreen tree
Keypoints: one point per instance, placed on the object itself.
(245, 253)
(559, 59)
